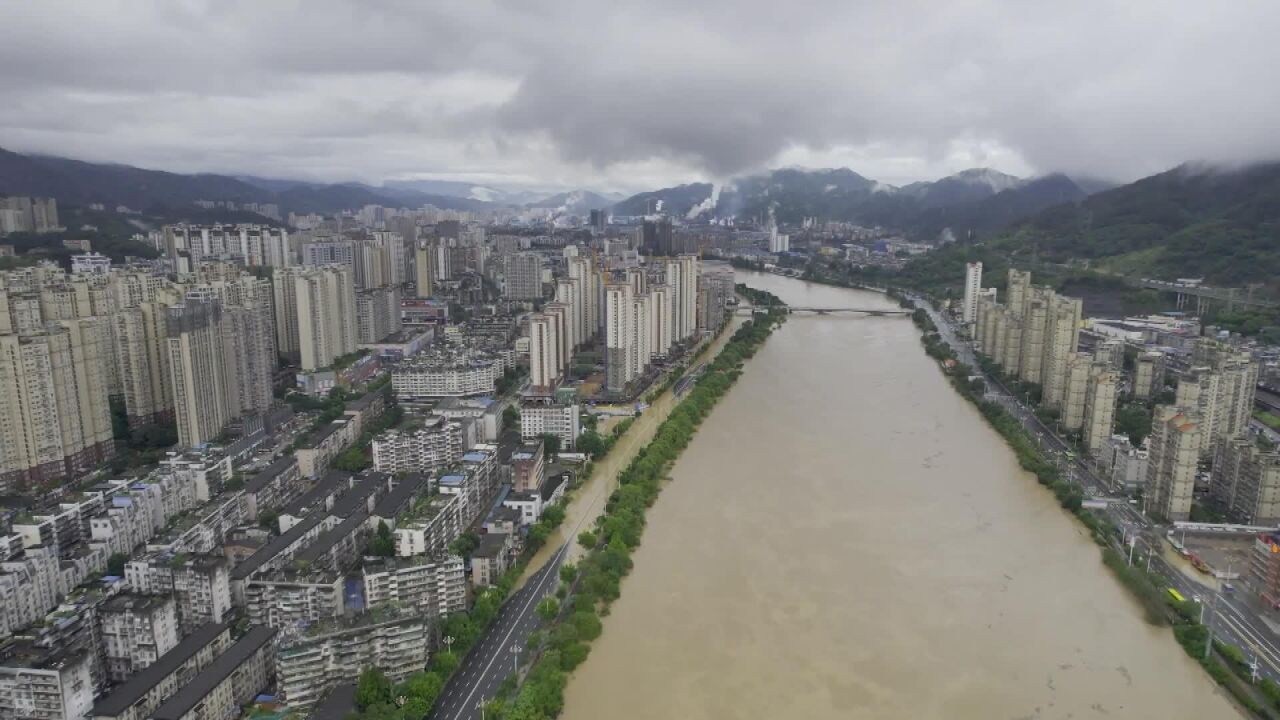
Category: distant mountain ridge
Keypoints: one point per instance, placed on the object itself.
(978, 200)
(574, 202)
(1222, 225)
(82, 183)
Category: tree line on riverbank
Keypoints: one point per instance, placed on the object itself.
(589, 589)
(595, 585)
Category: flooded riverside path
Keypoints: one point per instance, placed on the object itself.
(846, 538)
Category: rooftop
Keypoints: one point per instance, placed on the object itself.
(269, 473)
(364, 401)
(552, 484)
(134, 602)
(199, 687)
(316, 438)
(327, 539)
(357, 498)
(126, 695)
(273, 548)
(337, 705)
(405, 490)
(491, 545)
(330, 483)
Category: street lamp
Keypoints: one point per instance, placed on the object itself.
(448, 643)
(515, 659)
(480, 707)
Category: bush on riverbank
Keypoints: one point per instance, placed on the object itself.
(618, 530)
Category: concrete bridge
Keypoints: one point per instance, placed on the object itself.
(792, 309)
(1203, 295)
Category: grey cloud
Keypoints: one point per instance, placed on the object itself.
(660, 90)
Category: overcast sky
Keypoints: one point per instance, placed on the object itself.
(639, 94)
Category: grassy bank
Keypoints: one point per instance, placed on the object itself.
(590, 588)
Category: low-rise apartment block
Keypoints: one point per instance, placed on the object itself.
(147, 689)
(434, 586)
(561, 420)
(234, 678)
(43, 683)
(396, 642)
(136, 631)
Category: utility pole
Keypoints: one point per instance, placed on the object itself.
(1208, 638)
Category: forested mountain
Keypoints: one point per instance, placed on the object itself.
(81, 183)
(1222, 225)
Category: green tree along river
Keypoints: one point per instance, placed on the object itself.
(846, 538)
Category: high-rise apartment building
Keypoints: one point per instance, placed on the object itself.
(972, 286)
(1061, 340)
(329, 252)
(1034, 325)
(563, 315)
(1172, 459)
(424, 256)
(1246, 481)
(1220, 391)
(143, 359)
(1148, 375)
(248, 335)
(377, 313)
(682, 276)
(55, 422)
(568, 293)
(522, 273)
(1100, 407)
(1072, 412)
(246, 244)
(378, 260)
(315, 314)
(1018, 291)
(544, 351)
(27, 214)
(197, 369)
(588, 297)
(619, 336)
(660, 314)
(642, 332)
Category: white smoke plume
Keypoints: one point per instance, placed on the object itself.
(706, 205)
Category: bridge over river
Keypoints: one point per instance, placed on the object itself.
(793, 310)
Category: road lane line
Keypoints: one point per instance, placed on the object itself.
(532, 596)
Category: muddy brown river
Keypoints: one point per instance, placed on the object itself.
(845, 538)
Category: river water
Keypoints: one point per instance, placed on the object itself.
(845, 538)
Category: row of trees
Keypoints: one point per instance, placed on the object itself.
(376, 696)
(590, 588)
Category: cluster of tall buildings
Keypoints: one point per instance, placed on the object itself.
(646, 314)
(236, 558)
(1034, 336)
(198, 349)
(27, 214)
(1209, 420)
(1200, 435)
(570, 321)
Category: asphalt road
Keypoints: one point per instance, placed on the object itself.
(491, 659)
(1227, 615)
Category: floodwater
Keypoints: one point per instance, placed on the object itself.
(589, 500)
(846, 538)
